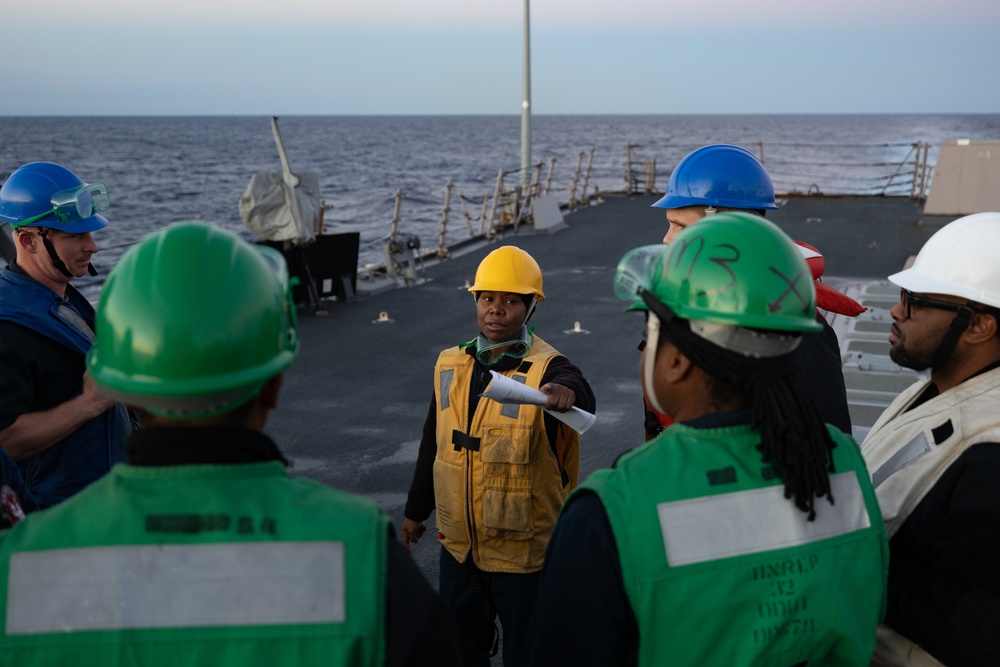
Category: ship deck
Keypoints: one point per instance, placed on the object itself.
(353, 405)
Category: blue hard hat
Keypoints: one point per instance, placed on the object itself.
(43, 194)
(721, 176)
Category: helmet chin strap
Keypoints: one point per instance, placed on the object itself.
(649, 359)
(531, 308)
(56, 261)
(959, 323)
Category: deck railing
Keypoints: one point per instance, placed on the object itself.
(892, 169)
(418, 231)
(797, 169)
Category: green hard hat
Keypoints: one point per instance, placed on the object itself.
(192, 321)
(732, 269)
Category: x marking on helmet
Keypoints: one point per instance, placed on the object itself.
(791, 282)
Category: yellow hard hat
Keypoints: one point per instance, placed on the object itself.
(509, 269)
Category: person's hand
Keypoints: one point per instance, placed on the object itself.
(560, 399)
(93, 396)
(411, 532)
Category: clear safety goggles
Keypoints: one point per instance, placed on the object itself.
(517, 348)
(631, 285)
(633, 273)
(75, 204)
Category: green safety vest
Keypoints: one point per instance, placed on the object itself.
(197, 565)
(721, 569)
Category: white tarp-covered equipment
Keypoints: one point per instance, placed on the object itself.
(267, 207)
(282, 206)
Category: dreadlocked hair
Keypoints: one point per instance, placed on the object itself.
(793, 438)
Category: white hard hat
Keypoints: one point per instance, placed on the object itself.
(960, 259)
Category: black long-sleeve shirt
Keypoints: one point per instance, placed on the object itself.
(823, 376)
(420, 501)
(944, 564)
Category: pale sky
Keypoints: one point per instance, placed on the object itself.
(320, 57)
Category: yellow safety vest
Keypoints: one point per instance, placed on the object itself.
(498, 483)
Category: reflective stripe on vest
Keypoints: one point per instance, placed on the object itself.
(498, 484)
(199, 585)
(907, 450)
(748, 522)
(756, 584)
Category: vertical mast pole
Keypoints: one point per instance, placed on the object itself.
(526, 102)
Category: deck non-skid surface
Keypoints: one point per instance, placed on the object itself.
(354, 403)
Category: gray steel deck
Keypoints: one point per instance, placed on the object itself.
(353, 404)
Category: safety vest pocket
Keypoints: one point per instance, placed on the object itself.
(507, 513)
(449, 495)
(507, 444)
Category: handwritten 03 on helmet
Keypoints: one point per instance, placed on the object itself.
(735, 277)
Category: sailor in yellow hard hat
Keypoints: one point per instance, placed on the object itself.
(496, 474)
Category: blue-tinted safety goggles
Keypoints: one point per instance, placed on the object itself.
(75, 204)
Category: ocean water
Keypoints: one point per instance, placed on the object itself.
(163, 169)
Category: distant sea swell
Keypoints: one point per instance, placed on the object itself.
(163, 169)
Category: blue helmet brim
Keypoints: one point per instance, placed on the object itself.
(91, 224)
(669, 201)
(664, 202)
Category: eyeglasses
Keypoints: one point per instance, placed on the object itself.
(75, 204)
(908, 300)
